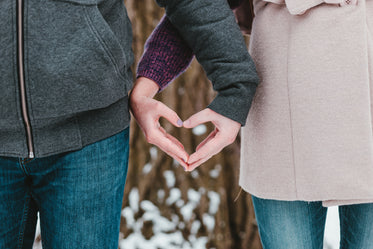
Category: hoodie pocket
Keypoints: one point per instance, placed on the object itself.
(75, 61)
(106, 37)
(102, 31)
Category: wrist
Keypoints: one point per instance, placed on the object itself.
(144, 87)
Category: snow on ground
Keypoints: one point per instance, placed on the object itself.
(165, 240)
(167, 232)
(167, 236)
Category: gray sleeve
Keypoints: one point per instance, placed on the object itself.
(209, 28)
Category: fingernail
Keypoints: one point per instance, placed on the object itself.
(179, 122)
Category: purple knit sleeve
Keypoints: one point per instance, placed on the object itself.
(166, 55)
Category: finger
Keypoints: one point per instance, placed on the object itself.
(172, 138)
(201, 117)
(168, 146)
(179, 160)
(208, 138)
(195, 165)
(169, 114)
(175, 156)
(210, 148)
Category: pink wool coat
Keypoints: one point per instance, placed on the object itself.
(309, 131)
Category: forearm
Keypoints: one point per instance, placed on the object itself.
(166, 55)
(210, 30)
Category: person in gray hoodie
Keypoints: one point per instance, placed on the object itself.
(64, 116)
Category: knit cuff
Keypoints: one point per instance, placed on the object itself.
(166, 55)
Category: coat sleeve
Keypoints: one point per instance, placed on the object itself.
(210, 30)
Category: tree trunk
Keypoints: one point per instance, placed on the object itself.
(198, 207)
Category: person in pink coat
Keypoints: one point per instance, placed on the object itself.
(308, 140)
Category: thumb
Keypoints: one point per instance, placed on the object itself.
(169, 114)
(201, 117)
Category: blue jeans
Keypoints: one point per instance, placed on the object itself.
(78, 195)
(300, 225)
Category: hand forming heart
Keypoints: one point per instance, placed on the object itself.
(147, 112)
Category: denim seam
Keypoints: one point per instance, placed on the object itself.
(310, 218)
(324, 214)
(342, 227)
(314, 232)
(24, 221)
(348, 235)
(23, 167)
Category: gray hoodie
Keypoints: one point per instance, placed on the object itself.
(65, 69)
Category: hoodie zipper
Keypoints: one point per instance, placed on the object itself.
(21, 76)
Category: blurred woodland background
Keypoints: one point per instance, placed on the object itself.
(165, 207)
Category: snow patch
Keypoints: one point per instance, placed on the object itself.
(175, 195)
(147, 168)
(214, 202)
(214, 173)
(170, 178)
(194, 196)
(187, 211)
(209, 222)
(193, 200)
(128, 215)
(161, 194)
(133, 199)
(199, 130)
(196, 225)
(194, 174)
(180, 203)
(148, 206)
(153, 153)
